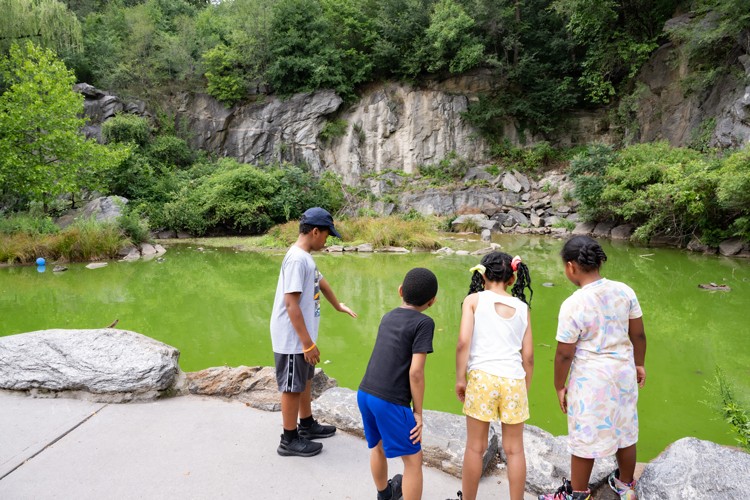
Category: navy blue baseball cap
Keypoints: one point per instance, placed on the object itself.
(317, 216)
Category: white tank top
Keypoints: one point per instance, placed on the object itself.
(496, 342)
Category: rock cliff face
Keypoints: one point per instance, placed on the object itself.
(665, 111)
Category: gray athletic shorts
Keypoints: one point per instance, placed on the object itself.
(292, 372)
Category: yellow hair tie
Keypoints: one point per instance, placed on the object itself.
(478, 267)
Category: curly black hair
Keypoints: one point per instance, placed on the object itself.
(498, 268)
(419, 287)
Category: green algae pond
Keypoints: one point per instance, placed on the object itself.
(214, 305)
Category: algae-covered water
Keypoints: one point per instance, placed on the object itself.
(214, 306)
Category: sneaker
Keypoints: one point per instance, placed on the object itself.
(316, 431)
(625, 490)
(564, 492)
(459, 494)
(299, 447)
(395, 486)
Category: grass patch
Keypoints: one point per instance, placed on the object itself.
(84, 240)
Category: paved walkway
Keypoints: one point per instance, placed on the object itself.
(187, 447)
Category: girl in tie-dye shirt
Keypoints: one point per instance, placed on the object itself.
(600, 354)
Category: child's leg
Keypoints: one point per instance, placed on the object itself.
(580, 472)
(626, 458)
(290, 407)
(513, 447)
(379, 467)
(412, 485)
(476, 445)
(305, 401)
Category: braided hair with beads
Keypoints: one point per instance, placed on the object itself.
(499, 267)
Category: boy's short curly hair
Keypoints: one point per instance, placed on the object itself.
(419, 287)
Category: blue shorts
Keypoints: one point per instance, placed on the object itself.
(387, 422)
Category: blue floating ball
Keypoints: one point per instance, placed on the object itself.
(41, 269)
(40, 261)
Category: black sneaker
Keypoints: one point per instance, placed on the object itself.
(395, 486)
(299, 447)
(316, 431)
(459, 494)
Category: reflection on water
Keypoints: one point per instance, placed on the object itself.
(214, 306)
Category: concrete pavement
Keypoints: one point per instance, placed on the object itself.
(186, 447)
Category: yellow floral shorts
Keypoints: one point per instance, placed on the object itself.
(490, 398)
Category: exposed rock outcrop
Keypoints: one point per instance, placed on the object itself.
(254, 385)
(101, 209)
(547, 456)
(104, 364)
(692, 468)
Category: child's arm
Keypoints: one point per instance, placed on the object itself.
(637, 335)
(331, 297)
(416, 383)
(563, 360)
(465, 332)
(291, 302)
(527, 353)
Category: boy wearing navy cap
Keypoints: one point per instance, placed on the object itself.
(294, 332)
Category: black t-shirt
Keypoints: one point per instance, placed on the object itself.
(402, 332)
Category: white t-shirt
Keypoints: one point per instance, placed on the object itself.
(496, 341)
(298, 274)
(597, 319)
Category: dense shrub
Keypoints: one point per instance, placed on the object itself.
(170, 151)
(127, 128)
(27, 223)
(675, 191)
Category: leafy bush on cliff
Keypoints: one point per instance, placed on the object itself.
(675, 191)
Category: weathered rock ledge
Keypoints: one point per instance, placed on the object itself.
(117, 366)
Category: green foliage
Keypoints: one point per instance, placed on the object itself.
(332, 130)
(47, 23)
(675, 191)
(27, 223)
(127, 128)
(587, 171)
(134, 226)
(451, 43)
(726, 404)
(399, 48)
(170, 151)
(42, 151)
(226, 79)
(617, 38)
(391, 231)
(449, 169)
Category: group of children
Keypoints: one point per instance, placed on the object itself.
(599, 366)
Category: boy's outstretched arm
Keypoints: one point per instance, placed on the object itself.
(416, 382)
(331, 297)
(465, 332)
(637, 335)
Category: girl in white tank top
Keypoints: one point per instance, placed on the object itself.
(494, 364)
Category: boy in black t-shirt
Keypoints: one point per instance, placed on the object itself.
(393, 382)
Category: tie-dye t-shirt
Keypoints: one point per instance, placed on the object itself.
(596, 317)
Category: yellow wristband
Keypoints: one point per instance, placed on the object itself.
(309, 348)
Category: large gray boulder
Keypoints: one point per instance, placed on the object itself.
(105, 364)
(692, 468)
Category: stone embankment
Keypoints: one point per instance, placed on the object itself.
(112, 365)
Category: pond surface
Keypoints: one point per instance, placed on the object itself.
(214, 306)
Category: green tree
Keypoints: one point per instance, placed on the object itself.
(617, 36)
(42, 150)
(450, 39)
(399, 49)
(47, 23)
